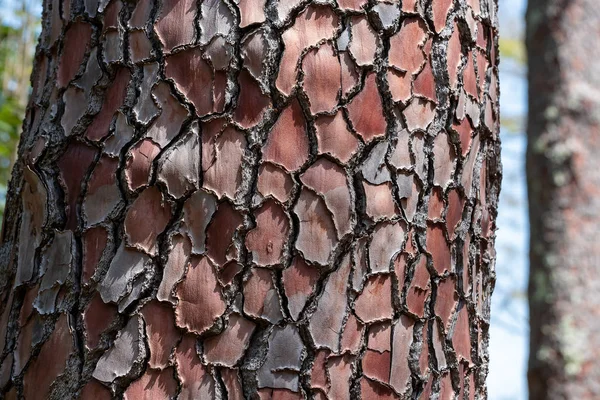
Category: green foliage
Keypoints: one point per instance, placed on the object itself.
(514, 60)
(514, 49)
(11, 115)
(19, 27)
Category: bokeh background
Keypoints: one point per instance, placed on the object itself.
(509, 332)
(20, 26)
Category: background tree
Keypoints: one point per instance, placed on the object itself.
(562, 164)
(241, 199)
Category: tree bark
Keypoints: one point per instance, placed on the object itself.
(563, 182)
(254, 199)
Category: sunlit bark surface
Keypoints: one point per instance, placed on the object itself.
(254, 199)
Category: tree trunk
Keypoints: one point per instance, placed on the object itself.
(254, 199)
(563, 181)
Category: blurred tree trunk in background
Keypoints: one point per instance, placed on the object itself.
(564, 198)
(254, 199)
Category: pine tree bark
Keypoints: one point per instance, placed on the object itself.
(563, 183)
(254, 199)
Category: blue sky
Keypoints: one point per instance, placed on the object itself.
(509, 333)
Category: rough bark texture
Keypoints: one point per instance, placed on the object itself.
(254, 199)
(564, 201)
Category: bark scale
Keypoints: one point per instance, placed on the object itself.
(254, 199)
(563, 184)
